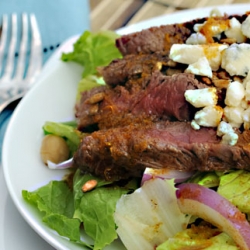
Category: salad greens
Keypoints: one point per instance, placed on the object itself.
(96, 208)
(207, 179)
(235, 186)
(192, 238)
(87, 83)
(66, 130)
(55, 201)
(65, 207)
(93, 50)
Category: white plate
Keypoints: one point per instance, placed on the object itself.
(52, 99)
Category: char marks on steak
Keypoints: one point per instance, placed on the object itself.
(159, 98)
(122, 152)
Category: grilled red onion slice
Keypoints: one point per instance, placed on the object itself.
(205, 203)
(164, 173)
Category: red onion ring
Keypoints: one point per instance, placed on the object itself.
(164, 173)
(207, 204)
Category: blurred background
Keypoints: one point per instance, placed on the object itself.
(109, 14)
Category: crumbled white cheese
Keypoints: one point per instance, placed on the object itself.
(196, 38)
(245, 27)
(235, 93)
(201, 97)
(209, 116)
(216, 30)
(194, 125)
(202, 59)
(230, 138)
(198, 26)
(234, 31)
(235, 59)
(213, 53)
(188, 54)
(233, 115)
(227, 133)
(201, 67)
(224, 128)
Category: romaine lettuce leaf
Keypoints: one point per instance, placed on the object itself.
(88, 83)
(235, 186)
(92, 50)
(96, 208)
(44, 198)
(199, 237)
(67, 131)
(79, 180)
(55, 201)
(207, 179)
(65, 226)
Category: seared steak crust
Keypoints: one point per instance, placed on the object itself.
(121, 152)
(119, 71)
(159, 98)
(153, 40)
(160, 39)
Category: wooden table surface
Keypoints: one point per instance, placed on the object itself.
(113, 14)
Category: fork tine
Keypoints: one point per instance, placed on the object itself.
(9, 67)
(22, 49)
(35, 63)
(3, 40)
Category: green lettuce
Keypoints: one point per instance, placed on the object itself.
(88, 83)
(66, 130)
(64, 209)
(199, 237)
(96, 208)
(92, 50)
(235, 186)
(207, 179)
(55, 201)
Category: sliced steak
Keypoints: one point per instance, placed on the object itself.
(122, 70)
(153, 40)
(122, 152)
(160, 39)
(160, 98)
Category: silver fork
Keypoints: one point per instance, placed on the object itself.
(15, 78)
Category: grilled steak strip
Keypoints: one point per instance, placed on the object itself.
(162, 97)
(160, 39)
(134, 67)
(122, 152)
(153, 40)
(144, 51)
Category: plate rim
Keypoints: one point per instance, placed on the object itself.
(65, 47)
